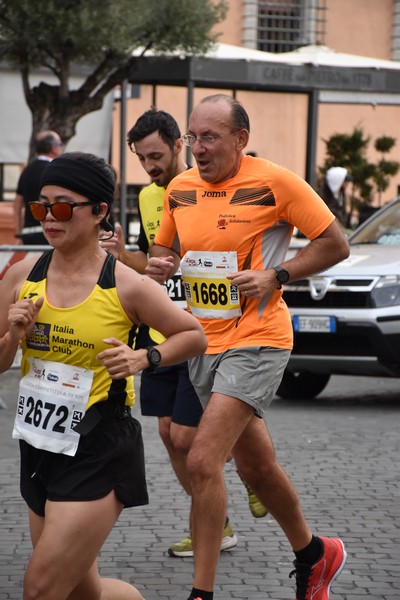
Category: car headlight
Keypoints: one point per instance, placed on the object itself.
(386, 292)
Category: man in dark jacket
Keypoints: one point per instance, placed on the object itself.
(27, 229)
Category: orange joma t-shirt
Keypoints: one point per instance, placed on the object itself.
(252, 214)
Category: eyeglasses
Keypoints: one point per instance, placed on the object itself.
(204, 140)
(62, 211)
(60, 144)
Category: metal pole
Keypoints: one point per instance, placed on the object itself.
(190, 90)
(122, 168)
(312, 131)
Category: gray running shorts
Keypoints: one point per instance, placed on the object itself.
(251, 374)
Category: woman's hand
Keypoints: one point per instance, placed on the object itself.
(22, 316)
(120, 360)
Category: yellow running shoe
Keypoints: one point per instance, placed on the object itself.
(256, 507)
(184, 547)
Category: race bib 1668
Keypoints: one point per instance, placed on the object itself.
(209, 293)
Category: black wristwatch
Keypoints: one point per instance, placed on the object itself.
(282, 276)
(154, 358)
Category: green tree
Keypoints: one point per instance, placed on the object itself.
(99, 36)
(369, 179)
(385, 169)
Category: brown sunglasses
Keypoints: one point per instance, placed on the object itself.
(62, 211)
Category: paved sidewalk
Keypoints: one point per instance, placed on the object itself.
(342, 454)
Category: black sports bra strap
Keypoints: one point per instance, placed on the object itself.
(107, 275)
(39, 270)
(106, 278)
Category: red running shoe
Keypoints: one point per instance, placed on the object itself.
(314, 582)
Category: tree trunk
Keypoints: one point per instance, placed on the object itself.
(60, 114)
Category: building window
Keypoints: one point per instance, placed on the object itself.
(396, 31)
(284, 25)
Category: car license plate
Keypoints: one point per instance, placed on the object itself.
(313, 324)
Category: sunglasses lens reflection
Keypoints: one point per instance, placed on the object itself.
(60, 211)
(38, 211)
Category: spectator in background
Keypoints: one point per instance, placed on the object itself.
(333, 193)
(27, 229)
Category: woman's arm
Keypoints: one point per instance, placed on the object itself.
(16, 316)
(145, 301)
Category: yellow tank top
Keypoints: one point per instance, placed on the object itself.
(74, 335)
(151, 206)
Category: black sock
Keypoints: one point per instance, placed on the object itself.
(201, 594)
(311, 553)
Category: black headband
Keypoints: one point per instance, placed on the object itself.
(80, 177)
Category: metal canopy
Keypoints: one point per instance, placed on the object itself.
(264, 76)
(308, 70)
(324, 75)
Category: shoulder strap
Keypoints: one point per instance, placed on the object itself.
(106, 278)
(39, 269)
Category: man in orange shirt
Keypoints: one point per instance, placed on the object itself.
(166, 393)
(230, 220)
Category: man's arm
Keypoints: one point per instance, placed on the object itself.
(136, 260)
(326, 250)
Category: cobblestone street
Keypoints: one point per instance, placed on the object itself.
(341, 452)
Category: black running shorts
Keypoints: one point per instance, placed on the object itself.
(110, 457)
(168, 392)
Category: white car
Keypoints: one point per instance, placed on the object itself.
(346, 320)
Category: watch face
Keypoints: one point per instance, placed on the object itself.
(282, 275)
(154, 356)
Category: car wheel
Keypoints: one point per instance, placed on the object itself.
(302, 386)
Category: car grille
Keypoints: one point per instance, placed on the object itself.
(341, 293)
(330, 345)
(331, 300)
